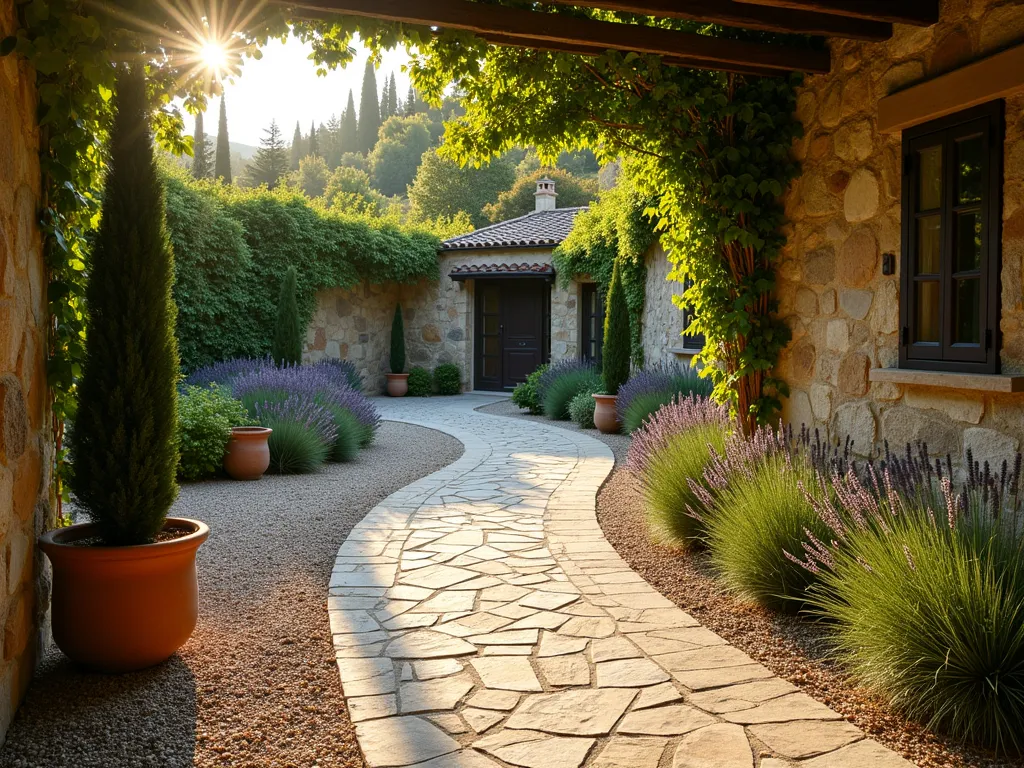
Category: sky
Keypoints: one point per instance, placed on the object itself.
(284, 85)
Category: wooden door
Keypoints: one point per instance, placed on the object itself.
(511, 339)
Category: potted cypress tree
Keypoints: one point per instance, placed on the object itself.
(125, 594)
(614, 354)
(287, 346)
(398, 382)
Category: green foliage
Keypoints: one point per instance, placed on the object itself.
(396, 157)
(642, 407)
(222, 167)
(348, 138)
(572, 192)
(350, 435)
(668, 498)
(420, 383)
(397, 358)
(444, 188)
(202, 152)
(615, 353)
(933, 620)
(369, 111)
(287, 346)
(756, 519)
(271, 161)
(525, 395)
(233, 247)
(348, 190)
(614, 230)
(205, 418)
(448, 379)
(560, 392)
(125, 439)
(312, 176)
(295, 449)
(581, 410)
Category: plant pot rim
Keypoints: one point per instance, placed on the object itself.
(397, 375)
(59, 540)
(605, 398)
(244, 432)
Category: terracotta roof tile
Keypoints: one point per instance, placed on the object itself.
(473, 270)
(540, 228)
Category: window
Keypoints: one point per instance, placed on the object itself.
(949, 275)
(692, 342)
(592, 332)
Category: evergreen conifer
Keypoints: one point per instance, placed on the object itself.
(332, 142)
(271, 160)
(296, 148)
(287, 346)
(314, 141)
(410, 102)
(125, 439)
(398, 342)
(223, 162)
(202, 164)
(369, 111)
(615, 353)
(392, 97)
(384, 114)
(348, 138)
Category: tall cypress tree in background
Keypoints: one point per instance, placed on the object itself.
(332, 142)
(271, 160)
(125, 439)
(392, 97)
(314, 141)
(287, 346)
(348, 139)
(201, 160)
(384, 114)
(223, 162)
(369, 111)
(296, 148)
(615, 353)
(410, 102)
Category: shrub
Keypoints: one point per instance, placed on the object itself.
(561, 382)
(342, 371)
(669, 455)
(397, 359)
(205, 418)
(304, 433)
(615, 352)
(652, 388)
(349, 436)
(448, 379)
(124, 444)
(286, 348)
(525, 395)
(581, 410)
(420, 383)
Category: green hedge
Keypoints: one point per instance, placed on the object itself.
(233, 246)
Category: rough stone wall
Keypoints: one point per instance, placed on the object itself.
(845, 213)
(662, 319)
(25, 453)
(355, 324)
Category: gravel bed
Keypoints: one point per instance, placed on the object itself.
(793, 648)
(257, 685)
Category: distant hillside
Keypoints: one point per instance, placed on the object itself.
(245, 151)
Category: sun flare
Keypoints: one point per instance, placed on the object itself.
(214, 55)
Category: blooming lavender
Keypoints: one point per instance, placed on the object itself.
(667, 380)
(226, 371)
(678, 416)
(343, 371)
(560, 369)
(298, 409)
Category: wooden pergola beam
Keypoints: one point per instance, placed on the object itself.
(919, 13)
(532, 27)
(739, 14)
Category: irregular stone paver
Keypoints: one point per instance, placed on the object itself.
(480, 615)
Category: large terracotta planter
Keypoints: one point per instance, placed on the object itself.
(398, 384)
(117, 609)
(248, 454)
(605, 417)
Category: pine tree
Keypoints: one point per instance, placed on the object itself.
(392, 97)
(384, 114)
(296, 149)
(369, 111)
(287, 346)
(314, 141)
(201, 165)
(410, 102)
(124, 444)
(223, 163)
(615, 353)
(348, 139)
(271, 160)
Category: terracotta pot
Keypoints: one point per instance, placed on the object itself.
(248, 455)
(398, 384)
(605, 417)
(117, 609)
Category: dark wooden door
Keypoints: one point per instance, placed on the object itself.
(512, 318)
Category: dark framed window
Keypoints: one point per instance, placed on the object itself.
(592, 331)
(949, 275)
(692, 342)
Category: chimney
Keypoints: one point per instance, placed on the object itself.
(545, 195)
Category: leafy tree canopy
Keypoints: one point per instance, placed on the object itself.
(396, 157)
(444, 188)
(572, 192)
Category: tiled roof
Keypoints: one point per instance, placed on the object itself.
(478, 270)
(540, 228)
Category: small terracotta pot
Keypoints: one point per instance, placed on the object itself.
(398, 384)
(117, 609)
(248, 455)
(605, 417)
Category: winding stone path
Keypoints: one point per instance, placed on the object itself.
(481, 619)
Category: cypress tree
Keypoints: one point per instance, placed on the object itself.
(200, 151)
(369, 111)
(125, 439)
(410, 102)
(615, 353)
(349, 135)
(397, 342)
(332, 146)
(314, 141)
(296, 148)
(223, 163)
(392, 97)
(384, 114)
(287, 346)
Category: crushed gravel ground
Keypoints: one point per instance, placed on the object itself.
(257, 685)
(793, 648)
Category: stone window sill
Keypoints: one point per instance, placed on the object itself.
(975, 382)
(688, 351)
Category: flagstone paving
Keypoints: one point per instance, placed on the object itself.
(481, 619)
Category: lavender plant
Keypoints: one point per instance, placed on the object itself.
(343, 370)
(652, 388)
(226, 371)
(562, 381)
(303, 433)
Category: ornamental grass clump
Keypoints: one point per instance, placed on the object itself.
(651, 388)
(303, 433)
(666, 454)
(561, 382)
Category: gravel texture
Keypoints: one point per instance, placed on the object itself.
(793, 648)
(257, 685)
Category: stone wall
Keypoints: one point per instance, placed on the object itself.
(355, 324)
(845, 213)
(662, 319)
(25, 454)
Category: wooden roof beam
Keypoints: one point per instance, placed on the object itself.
(555, 28)
(739, 14)
(919, 13)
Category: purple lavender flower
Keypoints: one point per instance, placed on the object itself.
(680, 415)
(661, 379)
(226, 371)
(559, 369)
(343, 371)
(299, 409)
